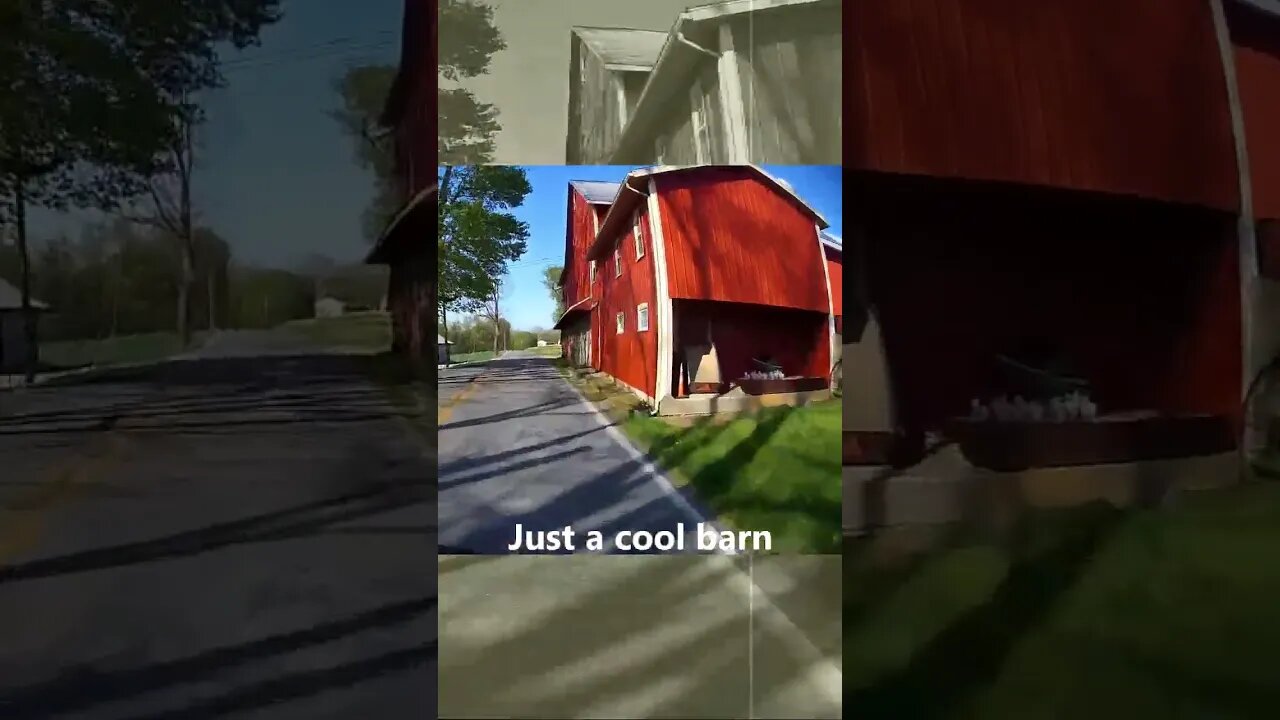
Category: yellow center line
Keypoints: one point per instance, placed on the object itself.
(446, 411)
(68, 480)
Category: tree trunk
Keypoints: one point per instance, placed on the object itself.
(187, 242)
(32, 350)
(444, 330)
(213, 316)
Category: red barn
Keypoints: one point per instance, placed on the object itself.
(680, 282)
(405, 245)
(1090, 176)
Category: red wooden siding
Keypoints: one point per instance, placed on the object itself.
(631, 357)
(728, 236)
(796, 339)
(579, 233)
(835, 274)
(1116, 96)
(1256, 39)
(1143, 297)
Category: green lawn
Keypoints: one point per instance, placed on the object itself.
(367, 330)
(776, 470)
(1092, 612)
(122, 349)
(550, 351)
(472, 357)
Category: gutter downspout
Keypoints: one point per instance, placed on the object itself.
(1245, 229)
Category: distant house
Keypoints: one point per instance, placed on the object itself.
(731, 82)
(542, 343)
(329, 307)
(405, 245)
(442, 350)
(691, 283)
(13, 336)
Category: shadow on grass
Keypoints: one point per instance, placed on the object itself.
(1048, 555)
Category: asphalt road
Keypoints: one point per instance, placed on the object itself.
(231, 535)
(518, 445)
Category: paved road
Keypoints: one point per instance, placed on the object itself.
(518, 445)
(247, 535)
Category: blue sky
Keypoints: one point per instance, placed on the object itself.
(527, 301)
(276, 177)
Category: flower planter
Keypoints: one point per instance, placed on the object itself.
(1012, 446)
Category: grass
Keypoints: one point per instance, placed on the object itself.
(1093, 611)
(119, 350)
(776, 470)
(472, 357)
(549, 351)
(366, 330)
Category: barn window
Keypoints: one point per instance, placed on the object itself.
(617, 261)
(642, 317)
(622, 322)
(592, 279)
(639, 238)
(701, 121)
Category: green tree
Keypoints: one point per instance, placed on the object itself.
(478, 235)
(95, 98)
(363, 92)
(551, 280)
(469, 40)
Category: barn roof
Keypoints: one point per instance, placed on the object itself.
(11, 298)
(638, 181)
(623, 48)
(832, 241)
(596, 193)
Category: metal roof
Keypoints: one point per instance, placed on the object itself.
(11, 298)
(596, 193)
(623, 48)
(832, 240)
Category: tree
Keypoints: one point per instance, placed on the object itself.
(551, 280)
(94, 96)
(184, 63)
(477, 237)
(363, 90)
(466, 125)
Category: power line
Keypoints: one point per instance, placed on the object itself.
(380, 37)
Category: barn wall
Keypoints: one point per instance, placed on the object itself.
(1256, 40)
(796, 339)
(790, 73)
(599, 114)
(1143, 297)
(580, 231)
(731, 237)
(1120, 97)
(835, 276)
(632, 356)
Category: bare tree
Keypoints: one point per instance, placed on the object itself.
(167, 207)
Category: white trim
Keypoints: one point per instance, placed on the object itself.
(665, 313)
(625, 67)
(698, 120)
(831, 306)
(622, 102)
(642, 327)
(734, 7)
(617, 261)
(1246, 236)
(638, 241)
(733, 112)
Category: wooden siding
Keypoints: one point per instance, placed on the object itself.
(731, 237)
(1120, 97)
(1143, 297)
(579, 232)
(599, 114)
(1256, 40)
(796, 339)
(835, 275)
(790, 74)
(632, 356)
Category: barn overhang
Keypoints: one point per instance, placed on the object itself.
(577, 310)
(409, 221)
